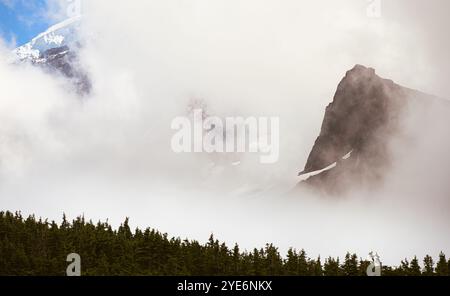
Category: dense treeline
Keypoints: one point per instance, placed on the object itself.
(36, 247)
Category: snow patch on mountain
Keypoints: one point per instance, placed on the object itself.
(59, 35)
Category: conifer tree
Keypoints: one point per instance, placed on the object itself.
(318, 270)
(442, 266)
(414, 267)
(405, 267)
(331, 267)
(291, 263)
(448, 267)
(302, 263)
(363, 265)
(428, 264)
(236, 260)
(350, 266)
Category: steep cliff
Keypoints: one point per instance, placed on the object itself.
(353, 146)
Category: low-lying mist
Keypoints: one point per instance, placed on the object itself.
(108, 155)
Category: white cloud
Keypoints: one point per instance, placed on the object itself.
(109, 156)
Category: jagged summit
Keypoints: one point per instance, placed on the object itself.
(353, 145)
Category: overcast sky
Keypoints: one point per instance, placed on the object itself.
(109, 156)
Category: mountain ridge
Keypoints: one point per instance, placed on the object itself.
(56, 50)
(353, 147)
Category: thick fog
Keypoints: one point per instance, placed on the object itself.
(108, 155)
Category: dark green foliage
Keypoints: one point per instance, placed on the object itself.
(442, 265)
(414, 268)
(38, 247)
(350, 266)
(331, 267)
(405, 268)
(362, 268)
(428, 264)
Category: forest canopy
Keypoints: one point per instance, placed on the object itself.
(37, 247)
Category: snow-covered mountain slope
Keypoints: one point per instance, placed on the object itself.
(56, 51)
(63, 34)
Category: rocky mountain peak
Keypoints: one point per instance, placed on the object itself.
(56, 51)
(353, 145)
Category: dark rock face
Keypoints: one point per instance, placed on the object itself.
(360, 122)
(63, 60)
